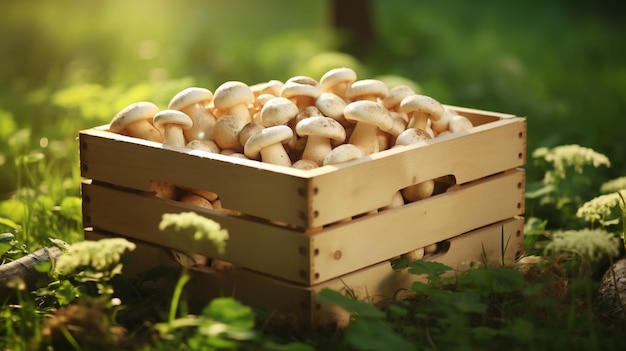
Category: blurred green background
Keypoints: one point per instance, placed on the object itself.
(67, 65)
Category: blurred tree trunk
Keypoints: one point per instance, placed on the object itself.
(353, 22)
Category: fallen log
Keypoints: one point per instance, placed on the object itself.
(24, 269)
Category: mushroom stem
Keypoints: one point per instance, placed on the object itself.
(364, 136)
(173, 135)
(276, 155)
(241, 113)
(316, 148)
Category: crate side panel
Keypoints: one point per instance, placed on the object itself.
(371, 239)
(369, 183)
(381, 283)
(242, 185)
(261, 246)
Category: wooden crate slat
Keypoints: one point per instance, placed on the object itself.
(364, 241)
(313, 198)
(376, 283)
(370, 182)
(254, 244)
(313, 258)
(247, 186)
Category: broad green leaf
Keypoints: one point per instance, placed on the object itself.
(71, 207)
(230, 311)
(506, 280)
(468, 302)
(43, 267)
(431, 269)
(375, 335)
(360, 308)
(13, 212)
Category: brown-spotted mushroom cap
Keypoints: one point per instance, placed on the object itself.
(368, 116)
(420, 108)
(234, 97)
(395, 96)
(249, 130)
(337, 80)
(268, 143)
(302, 90)
(319, 130)
(194, 101)
(278, 111)
(343, 153)
(135, 120)
(173, 122)
(411, 136)
(367, 89)
(331, 105)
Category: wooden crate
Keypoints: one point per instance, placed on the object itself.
(298, 305)
(292, 224)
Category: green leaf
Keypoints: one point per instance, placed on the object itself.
(66, 293)
(71, 207)
(6, 242)
(43, 267)
(399, 263)
(375, 335)
(430, 269)
(12, 211)
(360, 308)
(506, 280)
(294, 346)
(419, 287)
(230, 311)
(468, 302)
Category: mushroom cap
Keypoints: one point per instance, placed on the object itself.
(411, 136)
(367, 87)
(422, 104)
(459, 123)
(190, 96)
(343, 153)
(337, 76)
(330, 105)
(249, 130)
(301, 86)
(321, 126)
(231, 94)
(266, 137)
(204, 145)
(369, 112)
(165, 117)
(270, 87)
(277, 111)
(142, 110)
(305, 164)
(395, 95)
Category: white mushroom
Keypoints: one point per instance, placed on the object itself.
(343, 153)
(319, 130)
(173, 123)
(268, 143)
(367, 89)
(421, 108)
(395, 96)
(423, 189)
(302, 90)
(368, 116)
(135, 120)
(234, 97)
(337, 80)
(278, 111)
(193, 101)
(459, 123)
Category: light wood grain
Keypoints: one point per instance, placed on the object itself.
(313, 198)
(313, 258)
(297, 304)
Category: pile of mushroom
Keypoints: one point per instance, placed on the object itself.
(302, 123)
